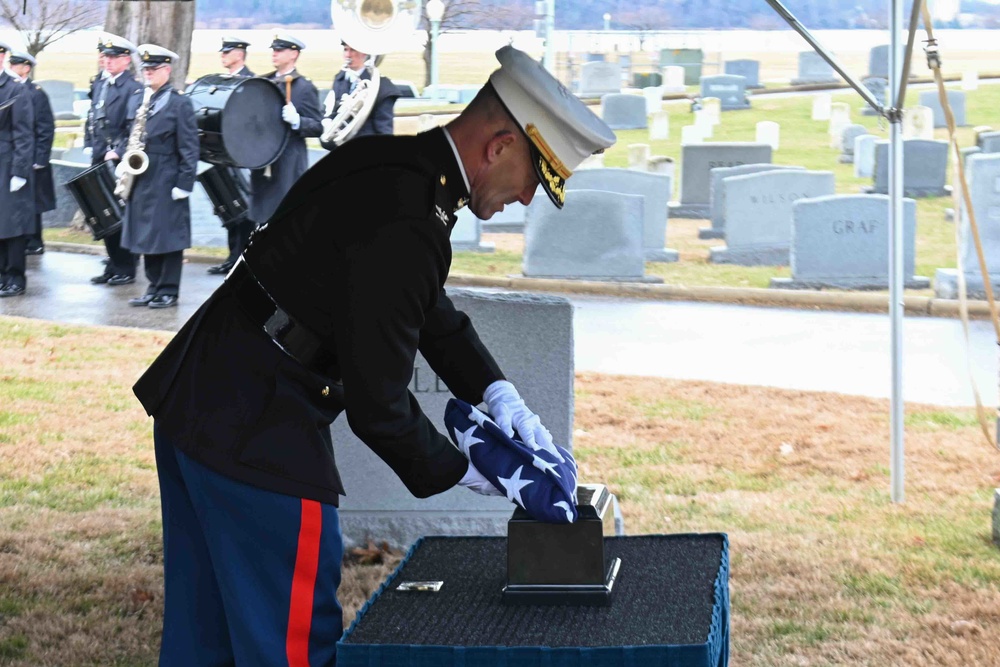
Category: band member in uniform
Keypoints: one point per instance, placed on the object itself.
(157, 221)
(117, 98)
(303, 115)
(233, 57)
(379, 121)
(17, 152)
(21, 63)
(325, 313)
(102, 74)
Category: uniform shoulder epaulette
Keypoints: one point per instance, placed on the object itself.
(137, 91)
(37, 87)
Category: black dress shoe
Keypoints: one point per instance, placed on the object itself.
(220, 269)
(35, 250)
(141, 300)
(163, 301)
(101, 279)
(12, 290)
(121, 279)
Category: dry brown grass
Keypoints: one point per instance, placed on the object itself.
(825, 570)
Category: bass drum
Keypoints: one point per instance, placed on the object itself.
(239, 120)
(94, 191)
(227, 188)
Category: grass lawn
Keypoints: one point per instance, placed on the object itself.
(825, 569)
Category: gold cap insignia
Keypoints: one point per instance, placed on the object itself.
(145, 56)
(444, 181)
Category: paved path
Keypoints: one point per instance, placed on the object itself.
(828, 351)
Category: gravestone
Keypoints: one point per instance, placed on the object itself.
(647, 80)
(624, 112)
(730, 89)
(878, 61)
(638, 157)
(879, 88)
(712, 108)
(426, 121)
(692, 134)
(768, 132)
(970, 80)
(703, 121)
(847, 137)
(842, 241)
(748, 69)
(468, 233)
(983, 174)
(673, 79)
(717, 194)
(531, 337)
(821, 106)
(956, 100)
(813, 69)
(659, 126)
(663, 165)
(597, 235)
(918, 123)
(594, 161)
(988, 142)
(61, 98)
(655, 190)
(840, 117)
(925, 166)
(599, 78)
(654, 99)
(66, 206)
(864, 155)
(594, 58)
(758, 211)
(406, 88)
(690, 59)
(512, 218)
(697, 162)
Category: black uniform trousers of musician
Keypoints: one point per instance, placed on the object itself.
(228, 397)
(17, 150)
(117, 103)
(43, 186)
(163, 271)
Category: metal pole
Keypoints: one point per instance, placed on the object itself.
(896, 251)
(435, 27)
(550, 36)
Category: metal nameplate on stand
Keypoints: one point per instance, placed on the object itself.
(562, 563)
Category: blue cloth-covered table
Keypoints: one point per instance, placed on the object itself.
(670, 609)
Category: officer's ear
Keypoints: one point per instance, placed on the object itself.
(499, 144)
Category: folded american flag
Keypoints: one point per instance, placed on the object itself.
(534, 479)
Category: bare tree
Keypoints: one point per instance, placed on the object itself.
(42, 22)
(167, 24)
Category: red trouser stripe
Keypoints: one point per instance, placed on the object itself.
(303, 585)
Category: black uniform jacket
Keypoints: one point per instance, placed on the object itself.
(45, 134)
(244, 71)
(294, 160)
(154, 222)
(380, 119)
(113, 120)
(17, 151)
(371, 287)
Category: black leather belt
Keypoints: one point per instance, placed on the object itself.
(297, 341)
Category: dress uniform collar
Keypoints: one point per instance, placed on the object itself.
(437, 149)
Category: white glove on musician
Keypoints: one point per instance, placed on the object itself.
(177, 193)
(88, 150)
(291, 116)
(475, 481)
(16, 183)
(510, 413)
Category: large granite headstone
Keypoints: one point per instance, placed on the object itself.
(697, 162)
(690, 59)
(983, 174)
(956, 100)
(925, 167)
(989, 142)
(624, 112)
(599, 78)
(61, 98)
(717, 194)
(531, 337)
(842, 241)
(655, 191)
(878, 61)
(847, 137)
(597, 235)
(879, 88)
(813, 69)
(758, 212)
(468, 233)
(730, 89)
(748, 69)
(511, 219)
(864, 155)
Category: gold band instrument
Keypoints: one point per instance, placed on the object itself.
(135, 161)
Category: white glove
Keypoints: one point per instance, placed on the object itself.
(290, 116)
(509, 412)
(88, 150)
(475, 481)
(36, 167)
(16, 183)
(177, 193)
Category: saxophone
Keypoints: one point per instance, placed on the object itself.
(135, 161)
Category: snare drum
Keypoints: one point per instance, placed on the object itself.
(239, 120)
(226, 187)
(94, 191)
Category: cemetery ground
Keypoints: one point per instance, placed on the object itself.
(825, 569)
(804, 142)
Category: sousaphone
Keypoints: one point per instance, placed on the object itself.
(374, 27)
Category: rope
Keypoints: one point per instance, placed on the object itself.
(934, 63)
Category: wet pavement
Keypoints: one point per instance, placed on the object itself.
(796, 349)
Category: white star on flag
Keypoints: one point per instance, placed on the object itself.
(564, 506)
(545, 466)
(466, 439)
(513, 485)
